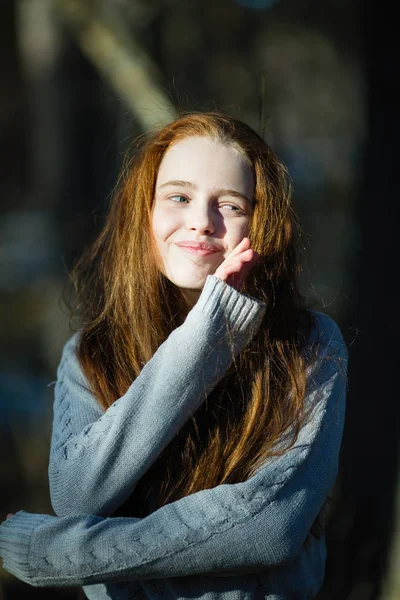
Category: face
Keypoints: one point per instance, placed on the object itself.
(202, 208)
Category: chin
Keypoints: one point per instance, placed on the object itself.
(194, 283)
(195, 286)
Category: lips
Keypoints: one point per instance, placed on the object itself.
(198, 248)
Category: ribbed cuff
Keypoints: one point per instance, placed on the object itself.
(240, 313)
(15, 539)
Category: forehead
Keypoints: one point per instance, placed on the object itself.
(207, 162)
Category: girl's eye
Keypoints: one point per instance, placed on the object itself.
(233, 208)
(179, 199)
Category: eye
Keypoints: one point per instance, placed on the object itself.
(234, 208)
(179, 199)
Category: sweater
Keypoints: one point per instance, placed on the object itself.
(247, 540)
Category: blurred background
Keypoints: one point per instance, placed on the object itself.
(79, 80)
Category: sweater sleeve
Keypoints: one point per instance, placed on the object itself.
(260, 523)
(97, 457)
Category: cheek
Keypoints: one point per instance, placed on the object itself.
(159, 226)
(164, 223)
(158, 240)
(236, 232)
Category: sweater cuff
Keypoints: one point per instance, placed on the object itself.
(15, 540)
(222, 303)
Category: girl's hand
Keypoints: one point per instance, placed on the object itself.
(238, 264)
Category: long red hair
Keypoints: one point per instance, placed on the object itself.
(128, 309)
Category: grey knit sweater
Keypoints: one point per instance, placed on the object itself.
(236, 541)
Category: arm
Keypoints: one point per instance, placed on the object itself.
(269, 515)
(97, 457)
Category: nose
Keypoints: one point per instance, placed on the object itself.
(201, 220)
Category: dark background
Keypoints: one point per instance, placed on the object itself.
(80, 79)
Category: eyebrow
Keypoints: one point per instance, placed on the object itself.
(193, 186)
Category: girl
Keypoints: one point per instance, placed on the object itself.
(199, 409)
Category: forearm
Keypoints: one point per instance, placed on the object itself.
(105, 459)
(255, 525)
(251, 536)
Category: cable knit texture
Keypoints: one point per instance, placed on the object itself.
(236, 541)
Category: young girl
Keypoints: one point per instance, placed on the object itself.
(199, 409)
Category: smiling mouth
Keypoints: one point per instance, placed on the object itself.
(198, 248)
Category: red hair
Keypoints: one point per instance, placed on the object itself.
(128, 309)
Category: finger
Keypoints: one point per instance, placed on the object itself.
(247, 255)
(244, 257)
(239, 271)
(235, 264)
(245, 244)
(244, 261)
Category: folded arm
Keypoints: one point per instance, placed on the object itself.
(244, 527)
(97, 457)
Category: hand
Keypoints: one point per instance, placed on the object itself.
(9, 515)
(238, 264)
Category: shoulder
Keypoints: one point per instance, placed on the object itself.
(326, 334)
(327, 354)
(70, 347)
(69, 363)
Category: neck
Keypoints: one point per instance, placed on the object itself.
(181, 300)
(189, 299)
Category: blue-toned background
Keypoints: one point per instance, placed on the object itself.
(80, 79)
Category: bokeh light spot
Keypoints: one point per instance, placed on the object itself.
(257, 4)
